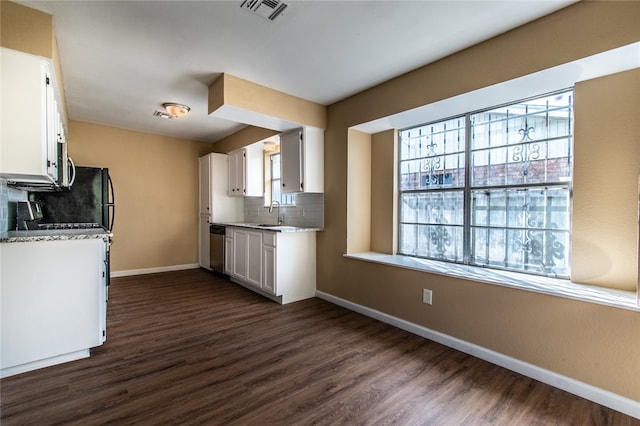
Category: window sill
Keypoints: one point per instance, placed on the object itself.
(552, 286)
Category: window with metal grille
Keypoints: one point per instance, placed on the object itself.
(491, 188)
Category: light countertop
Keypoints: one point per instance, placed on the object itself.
(54, 235)
(274, 228)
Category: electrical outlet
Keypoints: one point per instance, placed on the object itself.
(426, 296)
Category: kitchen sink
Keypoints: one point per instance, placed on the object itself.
(271, 226)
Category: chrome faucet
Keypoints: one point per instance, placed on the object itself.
(276, 202)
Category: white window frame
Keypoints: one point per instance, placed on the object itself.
(288, 200)
(460, 229)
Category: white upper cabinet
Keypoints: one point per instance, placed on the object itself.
(302, 160)
(214, 182)
(32, 129)
(205, 185)
(246, 172)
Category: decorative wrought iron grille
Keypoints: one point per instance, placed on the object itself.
(491, 188)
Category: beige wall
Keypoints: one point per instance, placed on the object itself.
(248, 99)
(359, 198)
(242, 138)
(156, 188)
(384, 204)
(587, 342)
(26, 29)
(31, 31)
(605, 205)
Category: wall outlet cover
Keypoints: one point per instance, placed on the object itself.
(427, 296)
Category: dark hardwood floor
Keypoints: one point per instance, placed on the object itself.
(190, 348)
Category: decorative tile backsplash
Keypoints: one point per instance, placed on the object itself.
(6, 195)
(308, 211)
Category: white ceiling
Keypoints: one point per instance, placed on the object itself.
(122, 59)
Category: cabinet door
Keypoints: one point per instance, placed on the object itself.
(205, 185)
(23, 123)
(240, 250)
(236, 173)
(52, 120)
(223, 208)
(228, 254)
(203, 242)
(254, 258)
(291, 161)
(253, 176)
(269, 269)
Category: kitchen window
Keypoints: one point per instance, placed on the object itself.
(276, 183)
(491, 188)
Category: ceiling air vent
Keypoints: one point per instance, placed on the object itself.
(268, 9)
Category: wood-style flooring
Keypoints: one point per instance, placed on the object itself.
(187, 347)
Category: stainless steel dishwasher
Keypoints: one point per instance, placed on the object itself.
(216, 248)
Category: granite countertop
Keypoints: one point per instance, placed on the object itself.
(54, 235)
(267, 227)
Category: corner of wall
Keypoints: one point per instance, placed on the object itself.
(358, 192)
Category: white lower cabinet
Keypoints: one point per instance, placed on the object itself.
(278, 265)
(254, 258)
(269, 262)
(246, 260)
(228, 252)
(54, 312)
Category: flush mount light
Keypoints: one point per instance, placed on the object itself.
(176, 110)
(269, 146)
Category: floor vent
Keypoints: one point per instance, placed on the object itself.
(268, 9)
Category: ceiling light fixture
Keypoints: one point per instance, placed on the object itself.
(176, 110)
(269, 146)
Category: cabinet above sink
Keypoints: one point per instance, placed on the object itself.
(302, 160)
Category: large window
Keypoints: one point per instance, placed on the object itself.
(491, 188)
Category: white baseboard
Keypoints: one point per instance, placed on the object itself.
(42, 363)
(600, 396)
(130, 272)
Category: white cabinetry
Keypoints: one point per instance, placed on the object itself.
(279, 265)
(269, 262)
(32, 130)
(246, 262)
(214, 205)
(228, 252)
(55, 312)
(246, 172)
(236, 173)
(302, 160)
(204, 247)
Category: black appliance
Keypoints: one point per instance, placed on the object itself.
(28, 215)
(90, 200)
(216, 247)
